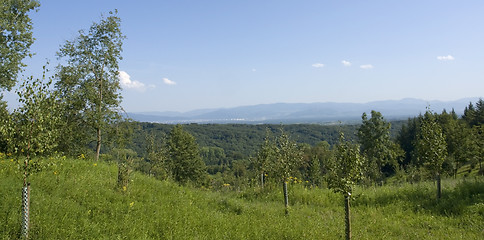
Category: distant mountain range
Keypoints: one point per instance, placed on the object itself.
(322, 113)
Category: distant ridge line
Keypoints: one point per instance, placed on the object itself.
(288, 113)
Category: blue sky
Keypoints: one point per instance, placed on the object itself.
(184, 55)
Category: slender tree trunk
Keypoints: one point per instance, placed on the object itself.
(347, 217)
(286, 197)
(439, 187)
(98, 145)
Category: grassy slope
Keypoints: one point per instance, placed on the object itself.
(77, 199)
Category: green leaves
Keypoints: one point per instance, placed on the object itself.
(15, 38)
(89, 80)
(34, 126)
(346, 169)
(279, 157)
(288, 156)
(474, 115)
(374, 137)
(184, 161)
(431, 146)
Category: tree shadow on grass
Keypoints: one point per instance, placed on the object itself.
(420, 198)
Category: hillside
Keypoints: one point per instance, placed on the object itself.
(77, 199)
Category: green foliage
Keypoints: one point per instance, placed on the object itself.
(89, 79)
(76, 133)
(215, 159)
(34, 127)
(184, 161)
(379, 150)
(156, 156)
(406, 139)
(316, 162)
(279, 157)
(478, 146)
(288, 158)
(431, 147)
(15, 38)
(241, 141)
(346, 169)
(265, 156)
(4, 125)
(430, 144)
(458, 138)
(474, 115)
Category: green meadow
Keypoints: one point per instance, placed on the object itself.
(78, 199)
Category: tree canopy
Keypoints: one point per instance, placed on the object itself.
(376, 145)
(15, 38)
(89, 79)
(431, 146)
(184, 160)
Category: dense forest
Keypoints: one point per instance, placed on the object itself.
(229, 142)
(77, 113)
(224, 147)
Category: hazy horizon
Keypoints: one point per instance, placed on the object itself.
(188, 55)
(259, 104)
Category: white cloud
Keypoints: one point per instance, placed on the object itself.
(366, 66)
(445, 58)
(318, 65)
(346, 63)
(254, 70)
(127, 83)
(168, 81)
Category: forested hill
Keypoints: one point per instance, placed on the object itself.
(239, 141)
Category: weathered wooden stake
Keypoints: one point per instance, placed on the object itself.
(347, 217)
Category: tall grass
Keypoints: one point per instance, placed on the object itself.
(78, 199)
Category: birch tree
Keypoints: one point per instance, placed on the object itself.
(90, 75)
